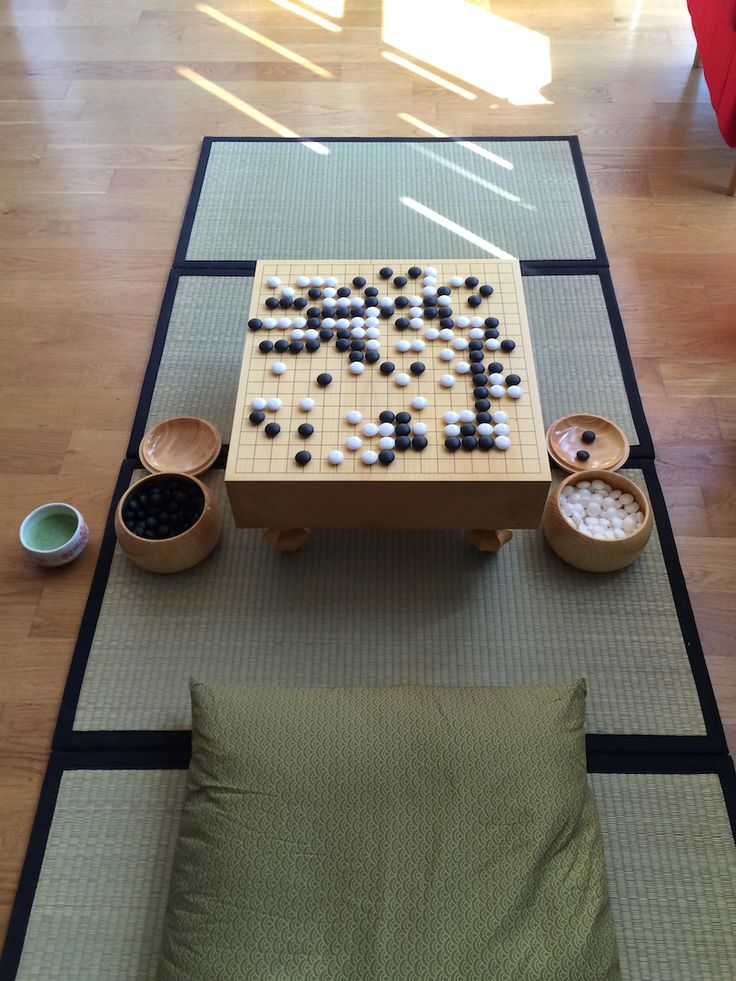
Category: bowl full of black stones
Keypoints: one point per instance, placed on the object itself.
(168, 522)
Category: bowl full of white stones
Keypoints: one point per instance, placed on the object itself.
(598, 521)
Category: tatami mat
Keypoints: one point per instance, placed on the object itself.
(99, 904)
(386, 607)
(341, 199)
(575, 347)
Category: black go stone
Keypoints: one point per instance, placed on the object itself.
(582, 455)
(401, 323)
(471, 282)
(372, 356)
(400, 281)
(255, 323)
(281, 345)
(370, 290)
(474, 300)
(285, 302)
(315, 293)
(257, 417)
(483, 417)
(326, 334)
(516, 380)
(476, 356)
(402, 429)
(265, 346)
(444, 291)
(296, 347)
(387, 368)
(486, 290)
(482, 405)
(344, 291)
(495, 368)
(486, 442)
(469, 442)
(314, 323)
(431, 312)
(356, 308)
(417, 368)
(419, 442)
(401, 302)
(300, 302)
(587, 437)
(303, 457)
(324, 379)
(272, 302)
(312, 345)
(272, 429)
(306, 430)
(314, 312)
(430, 300)
(403, 442)
(386, 272)
(480, 392)
(385, 457)
(476, 369)
(508, 345)
(342, 344)
(356, 356)
(492, 321)
(447, 322)
(467, 429)
(490, 332)
(414, 272)
(343, 332)
(387, 312)
(403, 417)
(357, 345)
(387, 416)
(452, 443)
(358, 281)
(475, 346)
(479, 380)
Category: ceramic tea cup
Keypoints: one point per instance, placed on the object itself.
(54, 534)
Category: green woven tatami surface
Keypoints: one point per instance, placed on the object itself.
(382, 608)
(99, 906)
(268, 200)
(574, 351)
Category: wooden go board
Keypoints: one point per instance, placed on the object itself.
(431, 487)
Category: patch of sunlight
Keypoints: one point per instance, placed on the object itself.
(430, 76)
(456, 229)
(307, 15)
(481, 151)
(474, 178)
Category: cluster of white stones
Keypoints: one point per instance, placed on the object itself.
(599, 511)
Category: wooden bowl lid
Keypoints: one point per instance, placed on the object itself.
(609, 451)
(184, 444)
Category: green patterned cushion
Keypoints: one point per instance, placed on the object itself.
(388, 833)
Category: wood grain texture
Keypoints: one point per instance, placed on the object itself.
(99, 137)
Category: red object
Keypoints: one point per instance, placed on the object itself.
(714, 25)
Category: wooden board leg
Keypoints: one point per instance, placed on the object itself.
(732, 183)
(286, 539)
(489, 539)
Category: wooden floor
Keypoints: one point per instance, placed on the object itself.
(98, 138)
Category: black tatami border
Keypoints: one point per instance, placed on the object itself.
(600, 260)
(643, 449)
(59, 762)
(66, 738)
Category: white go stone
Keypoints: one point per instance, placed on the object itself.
(258, 404)
(273, 405)
(370, 429)
(476, 322)
(419, 402)
(317, 281)
(357, 322)
(269, 323)
(501, 429)
(301, 322)
(342, 323)
(462, 367)
(451, 416)
(496, 391)
(429, 281)
(288, 292)
(417, 344)
(357, 368)
(428, 291)
(335, 457)
(297, 334)
(302, 281)
(462, 321)
(369, 457)
(278, 368)
(326, 322)
(496, 379)
(306, 405)
(502, 442)
(386, 429)
(515, 391)
(447, 381)
(415, 301)
(328, 303)
(456, 280)
(500, 416)
(492, 344)
(629, 523)
(446, 334)
(330, 281)
(402, 345)
(357, 332)
(420, 428)
(626, 499)
(372, 330)
(386, 443)
(467, 415)
(371, 313)
(452, 430)
(431, 333)
(459, 343)
(354, 417)
(444, 301)
(429, 271)
(446, 354)
(385, 301)
(273, 282)
(476, 334)
(402, 379)
(372, 345)
(283, 322)
(485, 429)
(416, 323)
(416, 311)
(353, 442)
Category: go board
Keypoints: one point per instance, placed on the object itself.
(445, 341)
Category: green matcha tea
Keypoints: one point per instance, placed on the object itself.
(51, 531)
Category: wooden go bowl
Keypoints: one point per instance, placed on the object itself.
(184, 444)
(171, 554)
(590, 554)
